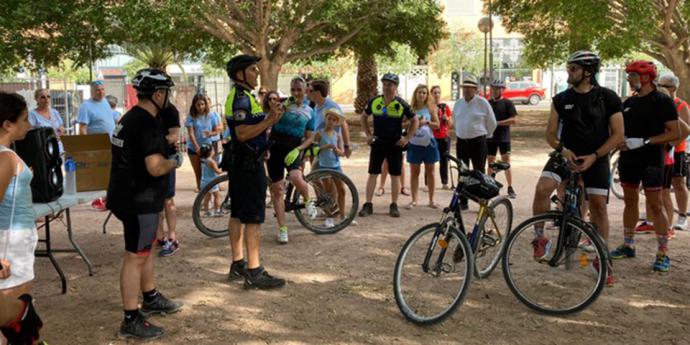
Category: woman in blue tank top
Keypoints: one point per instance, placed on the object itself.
(18, 235)
(422, 147)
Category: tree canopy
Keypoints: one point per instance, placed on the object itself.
(555, 28)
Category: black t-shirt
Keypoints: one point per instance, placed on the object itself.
(585, 117)
(388, 118)
(132, 190)
(171, 119)
(503, 110)
(645, 117)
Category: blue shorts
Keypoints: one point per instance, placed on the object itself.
(423, 154)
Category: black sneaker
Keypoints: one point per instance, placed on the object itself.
(160, 305)
(262, 281)
(139, 328)
(367, 209)
(393, 210)
(238, 270)
(511, 192)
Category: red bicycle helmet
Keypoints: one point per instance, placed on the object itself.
(642, 67)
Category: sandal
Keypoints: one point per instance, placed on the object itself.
(404, 191)
(411, 205)
(380, 191)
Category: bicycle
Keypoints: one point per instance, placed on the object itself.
(449, 258)
(614, 178)
(572, 277)
(329, 189)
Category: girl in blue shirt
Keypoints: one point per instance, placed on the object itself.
(201, 126)
(331, 149)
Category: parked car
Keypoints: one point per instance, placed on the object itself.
(526, 92)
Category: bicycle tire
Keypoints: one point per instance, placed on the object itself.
(600, 274)
(614, 179)
(402, 300)
(196, 208)
(453, 171)
(502, 237)
(319, 175)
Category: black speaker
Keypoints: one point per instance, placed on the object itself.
(41, 152)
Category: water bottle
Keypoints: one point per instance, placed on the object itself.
(70, 176)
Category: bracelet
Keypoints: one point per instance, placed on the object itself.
(347, 146)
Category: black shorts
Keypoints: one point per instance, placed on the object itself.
(170, 193)
(679, 166)
(388, 151)
(633, 172)
(248, 191)
(276, 162)
(493, 147)
(668, 176)
(596, 178)
(140, 231)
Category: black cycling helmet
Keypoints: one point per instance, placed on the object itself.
(240, 63)
(148, 80)
(391, 77)
(587, 59)
(498, 83)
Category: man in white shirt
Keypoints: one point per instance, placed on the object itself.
(474, 120)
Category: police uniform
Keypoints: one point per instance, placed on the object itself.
(247, 175)
(388, 120)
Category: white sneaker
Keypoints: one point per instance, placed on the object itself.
(329, 223)
(283, 235)
(682, 223)
(354, 223)
(312, 212)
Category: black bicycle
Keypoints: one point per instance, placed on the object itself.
(556, 263)
(434, 268)
(333, 205)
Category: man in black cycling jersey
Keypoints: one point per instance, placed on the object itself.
(592, 126)
(651, 121)
(506, 116)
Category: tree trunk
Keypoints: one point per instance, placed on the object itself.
(367, 81)
(675, 60)
(270, 69)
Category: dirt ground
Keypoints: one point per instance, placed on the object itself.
(340, 286)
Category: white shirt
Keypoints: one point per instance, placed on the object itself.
(474, 118)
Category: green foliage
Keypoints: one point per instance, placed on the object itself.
(401, 61)
(417, 24)
(461, 51)
(42, 33)
(331, 69)
(555, 28)
(68, 70)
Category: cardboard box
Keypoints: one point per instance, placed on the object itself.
(93, 156)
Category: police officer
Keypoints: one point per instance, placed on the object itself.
(248, 124)
(386, 142)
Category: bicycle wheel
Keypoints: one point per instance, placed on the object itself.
(429, 294)
(495, 230)
(453, 170)
(335, 198)
(570, 285)
(206, 219)
(615, 180)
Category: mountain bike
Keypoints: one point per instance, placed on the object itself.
(335, 203)
(568, 276)
(435, 266)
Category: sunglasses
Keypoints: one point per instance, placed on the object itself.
(262, 93)
(294, 89)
